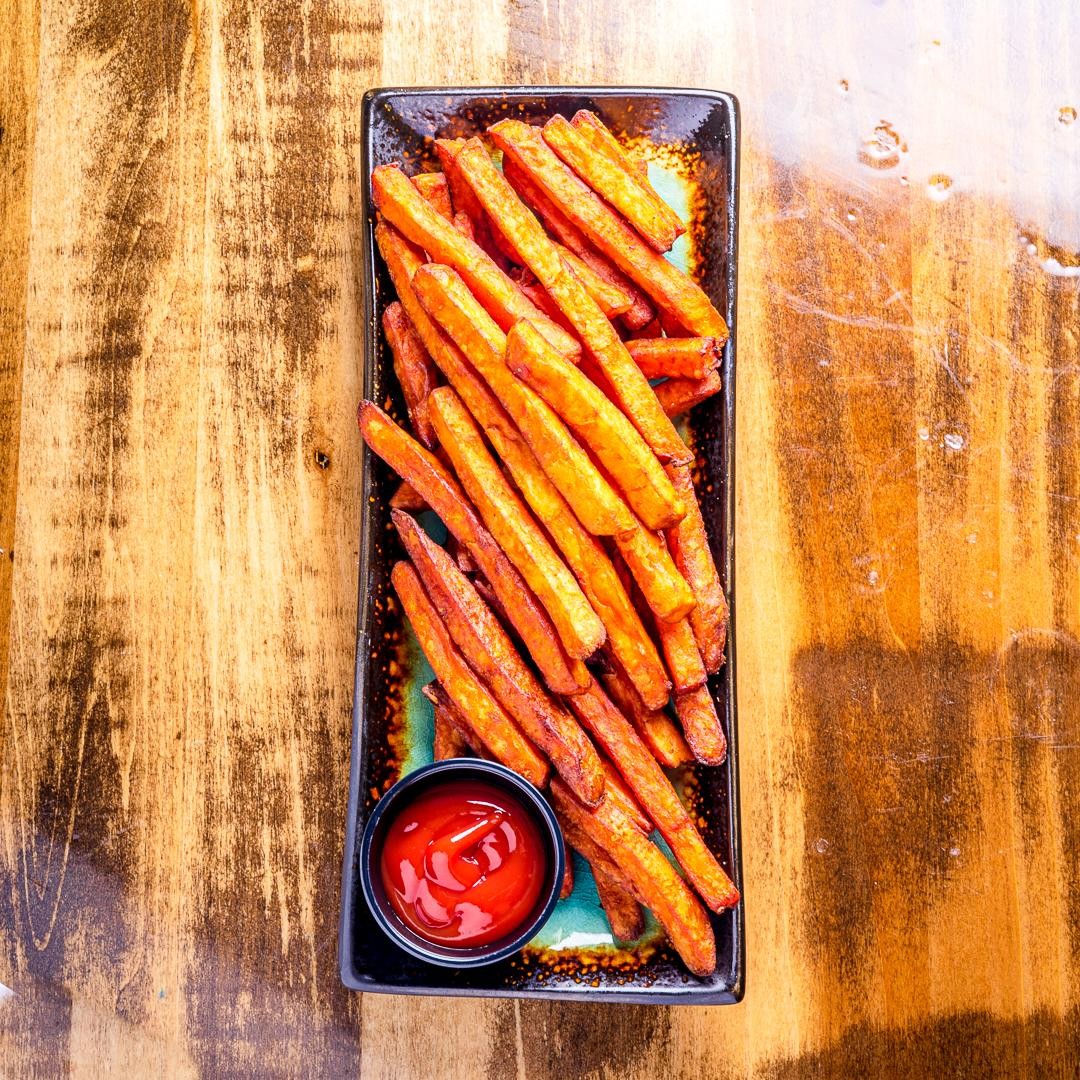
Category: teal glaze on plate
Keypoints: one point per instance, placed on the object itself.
(418, 713)
(674, 188)
(419, 727)
(579, 922)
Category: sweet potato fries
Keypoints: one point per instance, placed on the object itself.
(575, 612)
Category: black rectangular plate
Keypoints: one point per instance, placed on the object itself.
(399, 125)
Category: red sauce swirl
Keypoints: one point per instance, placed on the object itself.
(463, 864)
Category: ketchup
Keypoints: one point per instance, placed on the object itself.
(463, 864)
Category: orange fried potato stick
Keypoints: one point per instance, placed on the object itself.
(405, 208)
(485, 715)
(669, 287)
(413, 368)
(433, 482)
(656, 795)
(640, 205)
(689, 545)
(485, 645)
(647, 874)
(599, 337)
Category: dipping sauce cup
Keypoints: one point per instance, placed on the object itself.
(461, 862)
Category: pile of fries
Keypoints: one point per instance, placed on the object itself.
(535, 312)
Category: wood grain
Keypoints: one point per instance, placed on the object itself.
(178, 316)
(18, 93)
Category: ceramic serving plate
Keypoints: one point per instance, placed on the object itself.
(691, 140)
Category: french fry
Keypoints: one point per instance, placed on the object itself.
(555, 221)
(664, 588)
(440, 491)
(403, 206)
(466, 203)
(622, 188)
(492, 655)
(590, 850)
(651, 329)
(665, 283)
(599, 136)
(677, 642)
(485, 715)
(681, 653)
(663, 739)
(403, 259)
(671, 326)
(518, 223)
(460, 554)
(448, 742)
(426, 291)
(406, 498)
(433, 187)
(656, 795)
(463, 224)
(567, 886)
(538, 295)
(596, 376)
(617, 889)
(514, 528)
(647, 873)
(615, 788)
(481, 341)
(454, 724)
(701, 725)
(640, 312)
(562, 229)
(413, 368)
(678, 396)
(598, 423)
(622, 910)
(683, 357)
(612, 300)
(578, 668)
(689, 546)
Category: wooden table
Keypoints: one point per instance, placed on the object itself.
(179, 521)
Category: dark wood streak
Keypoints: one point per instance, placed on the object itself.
(561, 1040)
(1040, 675)
(284, 215)
(970, 1044)
(18, 98)
(91, 645)
(888, 776)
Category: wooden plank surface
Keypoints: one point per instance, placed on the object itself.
(178, 317)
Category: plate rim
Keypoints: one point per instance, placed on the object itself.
(348, 895)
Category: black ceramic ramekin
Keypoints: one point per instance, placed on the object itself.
(409, 788)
